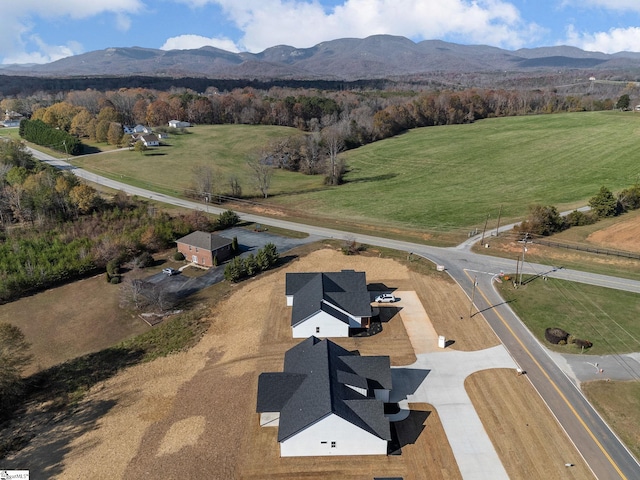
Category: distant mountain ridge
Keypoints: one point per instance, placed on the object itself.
(377, 56)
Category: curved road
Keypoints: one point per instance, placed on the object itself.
(603, 451)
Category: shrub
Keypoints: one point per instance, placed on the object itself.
(178, 256)
(145, 259)
(583, 343)
(557, 336)
(227, 219)
(114, 280)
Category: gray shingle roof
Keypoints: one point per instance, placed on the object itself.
(324, 389)
(204, 240)
(346, 290)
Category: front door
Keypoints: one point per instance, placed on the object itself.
(194, 258)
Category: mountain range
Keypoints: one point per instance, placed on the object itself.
(378, 56)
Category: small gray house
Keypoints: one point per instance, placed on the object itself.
(327, 401)
(328, 304)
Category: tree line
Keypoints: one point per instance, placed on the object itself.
(545, 220)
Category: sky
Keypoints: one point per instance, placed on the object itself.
(42, 31)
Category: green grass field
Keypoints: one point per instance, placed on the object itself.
(443, 180)
(606, 317)
(224, 148)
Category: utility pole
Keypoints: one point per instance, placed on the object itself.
(524, 249)
(473, 295)
(499, 215)
(484, 229)
(515, 280)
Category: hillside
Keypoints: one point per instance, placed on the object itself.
(377, 56)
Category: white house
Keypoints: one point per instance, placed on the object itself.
(142, 129)
(328, 401)
(150, 140)
(178, 124)
(328, 304)
(11, 119)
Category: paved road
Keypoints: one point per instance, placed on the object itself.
(605, 454)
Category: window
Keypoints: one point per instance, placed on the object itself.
(333, 444)
(317, 329)
(323, 443)
(189, 247)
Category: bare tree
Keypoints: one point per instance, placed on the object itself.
(234, 185)
(131, 293)
(204, 181)
(310, 151)
(262, 174)
(334, 144)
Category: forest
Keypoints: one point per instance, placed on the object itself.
(54, 228)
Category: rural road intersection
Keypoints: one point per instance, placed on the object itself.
(554, 377)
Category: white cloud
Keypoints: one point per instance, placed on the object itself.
(614, 5)
(17, 42)
(185, 42)
(300, 23)
(613, 41)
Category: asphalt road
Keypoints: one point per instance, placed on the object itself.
(603, 451)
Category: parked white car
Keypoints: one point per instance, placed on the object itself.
(386, 298)
(169, 271)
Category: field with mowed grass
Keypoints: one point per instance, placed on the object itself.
(224, 148)
(604, 316)
(443, 179)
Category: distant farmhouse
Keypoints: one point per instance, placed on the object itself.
(328, 304)
(11, 119)
(328, 401)
(202, 247)
(178, 124)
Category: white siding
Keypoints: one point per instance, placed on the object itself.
(321, 324)
(289, 300)
(349, 440)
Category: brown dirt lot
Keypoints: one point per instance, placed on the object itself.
(192, 415)
(622, 235)
(71, 320)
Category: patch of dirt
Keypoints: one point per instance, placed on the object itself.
(192, 414)
(619, 236)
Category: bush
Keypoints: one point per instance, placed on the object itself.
(115, 280)
(583, 343)
(578, 219)
(557, 336)
(178, 256)
(227, 219)
(145, 259)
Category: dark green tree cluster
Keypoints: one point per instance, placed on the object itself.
(239, 268)
(545, 219)
(40, 133)
(227, 219)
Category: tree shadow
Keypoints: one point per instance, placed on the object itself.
(51, 413)
(376, 178)
(44, 455)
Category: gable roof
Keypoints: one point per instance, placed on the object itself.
(205, 240)
(319, 380)
(312, 292)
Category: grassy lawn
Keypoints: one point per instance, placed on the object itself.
(225, 148)
(451, 177)
(443, 180)
(606, 317)
(619, 403)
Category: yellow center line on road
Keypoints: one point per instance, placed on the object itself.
(553, 384)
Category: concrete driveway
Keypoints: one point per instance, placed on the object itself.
(437, 377)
